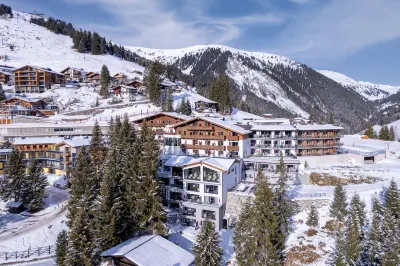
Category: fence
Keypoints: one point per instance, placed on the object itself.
(29, 253)
(311, 195)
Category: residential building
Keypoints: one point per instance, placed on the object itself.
(125, 92)
(199, 186)
(148, 250)
(206, 136)
(74, 74)
(34, 79)
(19, 130)
(92, 77)
(6, 77)
(135, 83)
(42, 149)
(68, 150)
(120, 76)
(314, 140)
(18, 105)
(161, 123)
(273, 140)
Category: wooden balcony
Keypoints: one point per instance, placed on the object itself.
(202, 137)
(203, 147)
(199, 128)
(232, 148)
(232, 137)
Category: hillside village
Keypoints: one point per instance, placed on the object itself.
(122, 164)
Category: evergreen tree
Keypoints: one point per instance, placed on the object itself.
(243, 235)
(188, 108)
(284, 206)
(97, 147)
(375, 241)
(266, 225)
(152, 214)
(103, 45)
(219, 92)
(338, 208)
(206, 249)
(61, 248)
(354, 233)
(392, 200)
(2, 93)
(153, 82)
(105, 81)
(95, 44)
(337, 256)
(168, 103)
(384, 133)
(37, 182)
(370, 132)
(392, 134)
(391, 240)
(331, 119)
(313, 219)
(13, 185)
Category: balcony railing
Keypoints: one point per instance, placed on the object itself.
(255, 136)
(325, 136)
(193, 176)
(211, 177)
(201, 137)
(311, 146)
(203, 147)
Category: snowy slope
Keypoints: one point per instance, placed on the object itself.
(368, 90)
(38, 46)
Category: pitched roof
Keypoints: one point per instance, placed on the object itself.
(41, 68)
(74, 68)
(219, 122)
(75, 142)
(31, 100)
(151, 250)
(224, 164)
(37, 140)
(273, 127)
(171, 114)
(318, 127)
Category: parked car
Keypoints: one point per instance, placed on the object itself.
(72, 84)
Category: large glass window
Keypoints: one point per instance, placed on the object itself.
(210, 175)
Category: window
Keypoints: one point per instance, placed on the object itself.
(220, 133)
(233, 134)
(220, 143)
(220, 153)
(233, 143)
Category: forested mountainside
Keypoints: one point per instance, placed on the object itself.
(270, 83)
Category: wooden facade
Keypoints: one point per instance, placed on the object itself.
(318, 142)
(93, 77)
(120, 76)
(26, 106)
(135, 83)
(32, 79)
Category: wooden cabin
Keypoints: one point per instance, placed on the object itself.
(5, 77)
(135, 83)
(120, 76)
(34, 79)
(93, 77)
(26, 106)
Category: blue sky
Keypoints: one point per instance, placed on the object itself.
(359, 38)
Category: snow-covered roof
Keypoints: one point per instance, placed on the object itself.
(151, 250)
(167, 83)
(5, 150)
(273, 160)
(193, 97)
(37, 140)
(42, 68)
(75, 142)
(318, 127)
(182, 161)
(272, 121)
(273, 127)
(221, 123)
(6, 73)
(31, 100)
(74, 68)
(14, 204)
(52, 125)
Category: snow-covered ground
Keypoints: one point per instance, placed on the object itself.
(38, 46)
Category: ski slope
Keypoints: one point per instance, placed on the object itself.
(38, 46)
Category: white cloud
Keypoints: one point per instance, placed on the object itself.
(151, 23)
(340, 28)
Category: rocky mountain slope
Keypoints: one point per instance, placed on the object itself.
(368, 90)
(269, 83)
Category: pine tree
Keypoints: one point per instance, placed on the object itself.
(384, 133)
(375, 241)
(284, 207)
(97, 148)
(152, 214)
(338, 209)
(392, 134)
(337, 256)
(2, 93)
(219, 92)
(355, 234)
(391, 240)
(392, 200)
(243, 235)
(188, 107)
(331, 119)
(61, 248)
(266, 225)
(206, 249)
(370, 132)
(103, 44)
(168, 103)
(104, 81)
(313, 219)
(153, 81)
(37, 183)
(95, 44)
(13, 184)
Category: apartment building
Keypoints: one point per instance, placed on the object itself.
(206, 136)
(74, 74)
(42, 149)
(68, 151)
(5, 77)
(12, 131)
(26, 106)
(34, 79)
(161, 123)
(198, 186)
(273, 140)
(314, 140)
